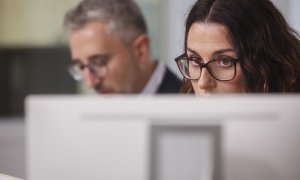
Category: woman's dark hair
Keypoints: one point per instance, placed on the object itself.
(268, 49)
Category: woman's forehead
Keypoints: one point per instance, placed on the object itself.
(208, 33)
(208, 37)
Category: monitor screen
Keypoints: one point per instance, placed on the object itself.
(163, 137)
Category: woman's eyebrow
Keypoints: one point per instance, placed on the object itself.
(215, 53)
(223, 51)
(192, 51)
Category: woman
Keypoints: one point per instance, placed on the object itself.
(237, 46)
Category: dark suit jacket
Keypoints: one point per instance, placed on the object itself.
(170, 83)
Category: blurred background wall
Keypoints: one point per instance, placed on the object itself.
(34, 57)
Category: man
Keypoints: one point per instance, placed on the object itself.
(110, 49)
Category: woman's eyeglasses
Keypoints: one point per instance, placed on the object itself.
(223, 68)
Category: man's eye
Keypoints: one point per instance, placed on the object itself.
(99, 62)
(78, 65)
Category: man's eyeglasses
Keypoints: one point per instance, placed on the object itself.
(223, 68)
(98, 69)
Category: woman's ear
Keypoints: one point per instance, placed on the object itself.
(141, 48)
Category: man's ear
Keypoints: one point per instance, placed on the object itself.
(141, 48)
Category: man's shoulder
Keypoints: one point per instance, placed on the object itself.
(170, 83)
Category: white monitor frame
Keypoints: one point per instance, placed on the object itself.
(131, 127)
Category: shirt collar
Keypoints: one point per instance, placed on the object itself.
(155, 79)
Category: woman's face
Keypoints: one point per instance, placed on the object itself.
(207, 42)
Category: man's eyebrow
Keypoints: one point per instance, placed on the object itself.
(98, 56)
(220, 51)
(75, 60)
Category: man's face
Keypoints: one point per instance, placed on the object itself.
(92, 44)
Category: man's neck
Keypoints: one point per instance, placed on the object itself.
(147, 74)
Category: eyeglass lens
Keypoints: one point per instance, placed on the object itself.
(77, 70)
(221, 69)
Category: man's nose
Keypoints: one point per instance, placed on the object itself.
(206, 81)
(91, 80)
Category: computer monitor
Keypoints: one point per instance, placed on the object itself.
(163, 137)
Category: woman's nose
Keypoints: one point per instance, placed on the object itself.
(206, 81)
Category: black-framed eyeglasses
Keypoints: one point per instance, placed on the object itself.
(223, 68)
(97, 69)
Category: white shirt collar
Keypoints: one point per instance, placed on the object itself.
(155, 79)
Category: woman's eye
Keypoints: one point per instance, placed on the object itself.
(225, 61)
(195, 61)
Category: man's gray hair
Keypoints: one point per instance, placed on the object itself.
(122, 17)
